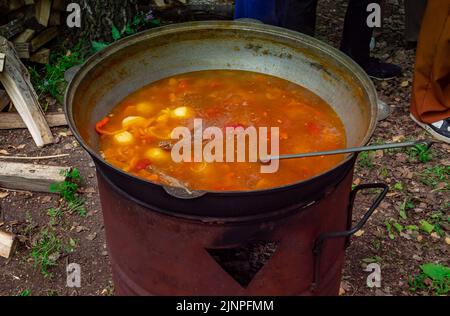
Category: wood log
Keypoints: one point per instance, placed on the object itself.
(11, 29)
(43, 9)
(29, 177)
(59, 5)
(16, 80)
(25, 36)
(7, 244)
(4, 100)
(22, 49)
(2, 61)
(14, 121)
(42, 56)
(43, 38)
(15, 4)
(55, 18)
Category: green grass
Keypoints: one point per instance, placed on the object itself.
(365, 160)
(404, 207)
(50, 80)
(434, 278)
(421, 153)
(26, 292)
(55, 215)
(434, 176)
(47, 245)
(68, 191)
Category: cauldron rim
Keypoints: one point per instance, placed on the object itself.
(97, 58)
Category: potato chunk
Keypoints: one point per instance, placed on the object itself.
(145, 108)
(182, 112)
(124, 138)
(157, 155)
(133, 120)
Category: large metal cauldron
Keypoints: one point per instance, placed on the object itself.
(157, 235)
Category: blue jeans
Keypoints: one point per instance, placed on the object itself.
(263, 10)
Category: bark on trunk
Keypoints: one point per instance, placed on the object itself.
(98, 17)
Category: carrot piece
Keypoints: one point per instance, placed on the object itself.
(100, 124)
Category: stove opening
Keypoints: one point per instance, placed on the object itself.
(243, 263)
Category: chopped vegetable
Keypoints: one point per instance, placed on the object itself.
(124, 138)
(145, 108)
(101, 124)
(133, 120)
(181, 112)
(157, 155)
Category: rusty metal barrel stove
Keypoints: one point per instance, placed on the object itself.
(165, 242)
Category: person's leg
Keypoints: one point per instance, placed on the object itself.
(356, 41)
(298, 15)
(357, 34)
(415, 10)
(430, 104)
(264, 11)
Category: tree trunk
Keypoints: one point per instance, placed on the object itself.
(98, 17)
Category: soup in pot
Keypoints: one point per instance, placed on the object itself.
(139, 135)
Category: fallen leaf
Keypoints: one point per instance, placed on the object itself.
(359, 233)
(419, 238)
(447, 240)
(405, 84)
(3, 195)
(341, 291)
(4, 152)
(92, 236)
(80, 229)
(21, 146)
(46, 199)
(435, 235)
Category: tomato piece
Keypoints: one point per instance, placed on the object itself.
(313, 128)
(142, 164)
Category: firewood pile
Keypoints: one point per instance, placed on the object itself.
(31, 25)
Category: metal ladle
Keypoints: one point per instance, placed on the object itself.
(352, 150)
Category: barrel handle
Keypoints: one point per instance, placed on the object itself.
(318, 244)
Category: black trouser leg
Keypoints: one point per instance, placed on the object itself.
(298, 15)
(357, 34)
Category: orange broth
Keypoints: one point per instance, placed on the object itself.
(136, 135)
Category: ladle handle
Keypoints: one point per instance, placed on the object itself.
(352, 150)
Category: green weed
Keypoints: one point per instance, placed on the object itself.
(138, 24)
(434, 278)
(51, 80)
(420, 152)
(45, 251)
(436, 176)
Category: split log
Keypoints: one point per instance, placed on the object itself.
(55, 19)
(59, 5)
(43, 10)
(42, 56)
(11, 29)
(15, 4)
(7, 244)
(16, 80)
(2, 61)
(29, 177)
(22, 49)
(43, 38)
(4, 100)
(25, 36)
(13, 120)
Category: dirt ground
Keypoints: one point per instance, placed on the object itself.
(399, 255)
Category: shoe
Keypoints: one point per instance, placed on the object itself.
(381, 71)
(439, 130)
